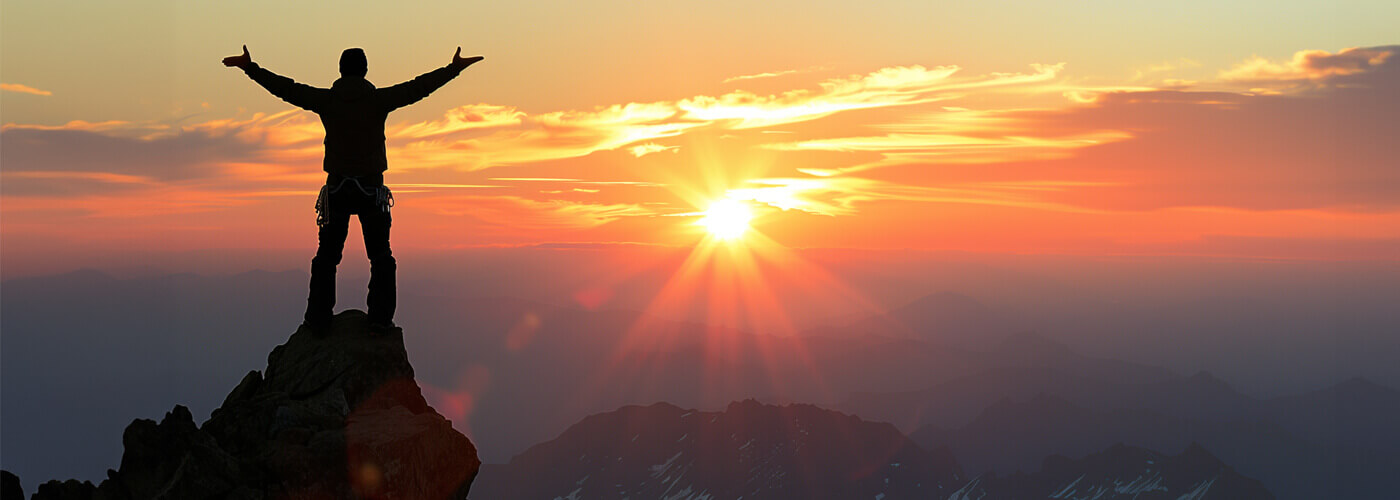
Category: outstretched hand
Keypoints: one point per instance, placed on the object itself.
(241, 61)
(460, 62)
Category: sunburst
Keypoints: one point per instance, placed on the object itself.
(727, 219)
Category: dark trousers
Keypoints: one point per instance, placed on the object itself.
(374, 223)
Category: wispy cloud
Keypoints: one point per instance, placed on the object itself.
(538, 138)
(517, 212)
(651, 147)
(757, 76)
(947, 148)
(876, 141)
(23, 89)
(575, 181)
(472, 137)
(459, 119)
(1130, 149)
(839, 196)
(887, 87)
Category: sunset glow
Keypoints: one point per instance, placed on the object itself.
(733, 156)
(835, 157)
(961, 229)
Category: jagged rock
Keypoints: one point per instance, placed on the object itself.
(332, 417)
(10, 488)
(173, 459)
(65, 490)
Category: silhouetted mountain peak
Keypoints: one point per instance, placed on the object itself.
(1356, 398)
(738, 406)
(750, 449)
(333, 416)
(1118, 453)
(1198, 455)
(1040, 410)
(1207, 381)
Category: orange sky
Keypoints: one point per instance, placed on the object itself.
(1286, 155)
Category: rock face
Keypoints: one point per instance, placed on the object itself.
(10, 488)
(336, 416)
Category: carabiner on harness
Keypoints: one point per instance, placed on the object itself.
(383, 198)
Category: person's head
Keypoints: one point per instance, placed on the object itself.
(353, 63)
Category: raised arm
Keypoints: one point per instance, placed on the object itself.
(299, 94)
(416, 89)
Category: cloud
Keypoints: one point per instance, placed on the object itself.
(1309, 69)
(578, 181)
(955, 135)
(23, 89)
(459, 119)
(177, 156)
(886, 87)
(67, 184)
(1329, 149)
(523, 139)
(839, 196)
(1255, 152)
(949, 148)
(519, 213)
(1130, 150)
(651, 147)
(859, 159)
(105, 158)
(760, 75)
(467, 138)
(922, 135)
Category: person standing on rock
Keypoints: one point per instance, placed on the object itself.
(353, 113)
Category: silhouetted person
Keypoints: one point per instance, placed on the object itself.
(353, 112)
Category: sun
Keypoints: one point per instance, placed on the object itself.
(727, 219)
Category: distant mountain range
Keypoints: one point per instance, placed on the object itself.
(749, 450)
(1015, 435)
(1354, 412)
(759, 451)
(945, 369)
(574, 363)
(944, 319)
(1122, 473)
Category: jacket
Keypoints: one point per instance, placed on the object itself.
(353, 112)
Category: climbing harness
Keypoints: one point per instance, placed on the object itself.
(383, 198)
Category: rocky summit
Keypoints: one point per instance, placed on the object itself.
(336, 415)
